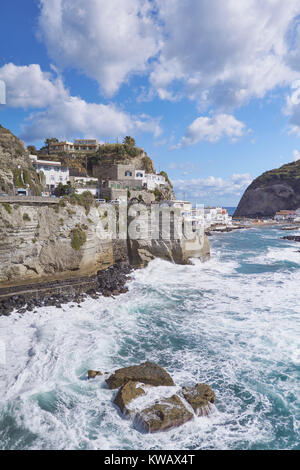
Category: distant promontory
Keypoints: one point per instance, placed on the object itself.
(271, 192)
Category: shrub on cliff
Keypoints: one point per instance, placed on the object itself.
(78, 238)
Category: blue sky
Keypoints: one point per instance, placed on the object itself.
(211, 90)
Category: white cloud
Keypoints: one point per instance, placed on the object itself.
(107, 40)
(27, 86)
(292, 108)
(296, 155)
(213, 189)
(220, 53)
(227, 52)
(75, 117)
(212, 129)
(62, 115)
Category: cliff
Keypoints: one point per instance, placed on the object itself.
(47, 240)
(16, 170)
(271, 192)
(42, 243)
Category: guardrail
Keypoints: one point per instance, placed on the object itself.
(29, 199)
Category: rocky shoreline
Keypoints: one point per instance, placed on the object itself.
(291, 238)
(109, 282)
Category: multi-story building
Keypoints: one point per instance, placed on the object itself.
(59, 147)
(54, 173)
(122, 176)
(86, 145)
(79, 145)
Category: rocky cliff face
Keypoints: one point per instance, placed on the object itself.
(46, 242)
(141, 252)
(16, 169)
(41, 241)
(273, 191)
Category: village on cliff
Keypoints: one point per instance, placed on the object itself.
(112, 173)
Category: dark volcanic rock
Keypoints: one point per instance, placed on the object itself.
(147, 373)
(167, 414)
(292, 238)
(273, 191)
(199, 397)
(111, 280)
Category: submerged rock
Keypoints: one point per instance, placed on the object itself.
(147, 373)
(166, 414)
(94, 373)
(199, 397)
(126, 394)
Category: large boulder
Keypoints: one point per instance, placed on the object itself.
(126, 394)
(147, 373)
(199, 397)
(167, 414)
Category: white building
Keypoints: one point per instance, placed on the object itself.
(93, 191)
(285, 215)
(54, 172)
(86, 145)
(153, 181)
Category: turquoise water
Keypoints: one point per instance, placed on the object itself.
(232, 322)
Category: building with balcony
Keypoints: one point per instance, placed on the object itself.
(54, 173)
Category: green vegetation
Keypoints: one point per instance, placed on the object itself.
(158, 195)
(285, 172)
(85, 199)
(25, 178)
(147, 164)
(32, 149)
(26, 217)
(165, 175)
(129, 141)
(78, 238)
(18, 178)
(7, 207)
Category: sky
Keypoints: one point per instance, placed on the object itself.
(210, 89)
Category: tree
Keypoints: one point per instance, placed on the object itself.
(49, 141)
(129, 141)
(32, 149)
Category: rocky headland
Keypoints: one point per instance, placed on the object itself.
(271, 192)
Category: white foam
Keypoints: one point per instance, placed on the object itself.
(205, 323)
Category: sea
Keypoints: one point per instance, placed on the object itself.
(232, 322)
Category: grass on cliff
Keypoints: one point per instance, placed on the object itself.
(7, 207)
(78, 238)
(85, 200)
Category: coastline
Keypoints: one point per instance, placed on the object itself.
(110, 282)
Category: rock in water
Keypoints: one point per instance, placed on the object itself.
(147, 373)
(93, 373)
(199, 397)
(167, 414)
(126, 394)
